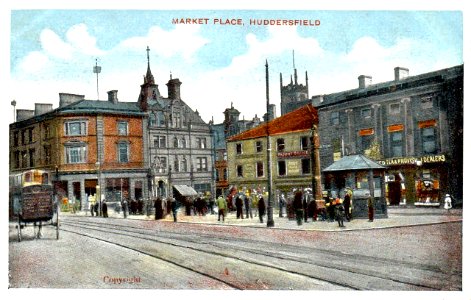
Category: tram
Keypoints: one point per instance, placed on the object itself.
(32, 201)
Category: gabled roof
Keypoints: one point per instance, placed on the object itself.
(300, 119)
(353, 162)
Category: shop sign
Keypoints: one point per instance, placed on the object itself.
(413, 160)
(293, 154)
(368, 131)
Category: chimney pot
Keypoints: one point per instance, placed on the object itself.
(364, 81)
(400, 73)
(113, 96)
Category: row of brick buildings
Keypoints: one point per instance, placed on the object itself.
(413, 125)
(130, 150)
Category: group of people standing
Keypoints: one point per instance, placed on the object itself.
(252, 206)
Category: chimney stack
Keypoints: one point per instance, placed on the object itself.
(42, 108)
(364, 81)
(173, 86)
(66, 99)
(23, 114)
(400, 73)
(113, 96)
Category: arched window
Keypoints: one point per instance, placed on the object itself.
(176, 165)
(183, 142)
(183, 165)
(175, 142)
(152, 120)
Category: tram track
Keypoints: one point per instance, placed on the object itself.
(218, 246)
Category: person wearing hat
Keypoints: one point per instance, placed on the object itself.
(447, 205)
(346, 204)
(261, 208)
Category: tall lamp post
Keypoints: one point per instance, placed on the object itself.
(270, 221)
(13, 103)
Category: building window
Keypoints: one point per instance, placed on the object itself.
(304, 143)
(76, 154)
(160, 141)
(201, 143)
(306, 166)
(31, 157)
(75, 128)
(161, 164)
(183, 141)
(394, 108)
(122, 128)
(335, 118)
(23, 137)
(259, 169)
(240, 171)
(281, 168)
(366, 141)
(280, 145)
(47, 154)
(396, 144)
(123, 152)
(177, 119)
(175, 142)
(225, 174)
(183, 165)
(201, 164)
(17, 159)
(366, 113)
(30, 135)
(152, 119)
(258, 146)
(239, 148)
(15, 138)
(24, 159)
(429, 143)
(426, 102)
(160, 119)
(176, 165)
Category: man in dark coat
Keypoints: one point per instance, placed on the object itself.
(158, 209)
(305, 204)
(261, 208)
(104, 209)
(346, 205)
(96, 206)
(248, 211)
(124, 206)
(173, 205)
(298, 207)
(239, 204)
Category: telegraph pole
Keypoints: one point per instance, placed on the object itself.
(270, 221)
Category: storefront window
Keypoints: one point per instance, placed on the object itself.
(429, 143)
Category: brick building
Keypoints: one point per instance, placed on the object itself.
(85, 144)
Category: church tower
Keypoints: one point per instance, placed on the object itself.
(293, 95)
(149, 90)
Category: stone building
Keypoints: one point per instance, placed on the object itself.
(290, 140)
(180, 146)
(84, 144)
(411, 124)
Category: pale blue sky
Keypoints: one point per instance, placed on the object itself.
(53, 51)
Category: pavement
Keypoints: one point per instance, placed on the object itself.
(397, 217)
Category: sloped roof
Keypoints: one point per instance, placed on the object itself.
(298, 120)
(353, 162)
(185, 190)
(101, 106)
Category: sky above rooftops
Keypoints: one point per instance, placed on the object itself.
(53, 50)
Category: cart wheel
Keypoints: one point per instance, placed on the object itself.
(19, 229)
(57, 227)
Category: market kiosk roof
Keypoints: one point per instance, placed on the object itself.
(185, 190)
(353, 162)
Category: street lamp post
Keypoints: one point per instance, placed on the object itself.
(270, 221)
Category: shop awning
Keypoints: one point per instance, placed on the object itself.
(185, 190)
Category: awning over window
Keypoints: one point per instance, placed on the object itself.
(185, 190)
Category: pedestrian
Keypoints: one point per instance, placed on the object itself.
(211, 204)
(222, 206)
(447, 205)
(140, 206)
(312, 210)
(371, 208)
(104, 209)
(96, 208)
(305, 203)
(248, 210)
(173, 204)
(158, 209)
(346, 205)
(133, 206)
(239, 204)
(339, 212)
(255, 203)
(92, 207)
(281, 204)
(261, 208)
(124, 206)
(298, 207)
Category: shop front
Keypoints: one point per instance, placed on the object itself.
(419, 181)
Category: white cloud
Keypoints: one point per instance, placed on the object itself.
(54, 46)
(33, 62)
(82, 41)
(183, 40)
